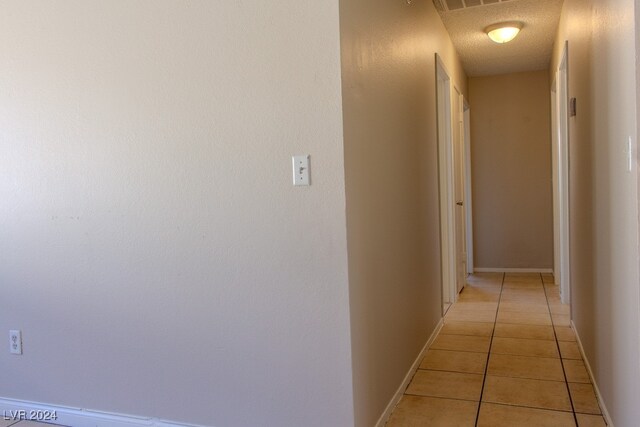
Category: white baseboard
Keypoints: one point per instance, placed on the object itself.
(603, 407)
(12, 409)
(407, 379)
(512, 270)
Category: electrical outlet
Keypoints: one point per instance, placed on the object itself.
(15, 342)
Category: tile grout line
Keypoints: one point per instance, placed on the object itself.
(486, 368)
(553, 326)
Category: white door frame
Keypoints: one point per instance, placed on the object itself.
(467, 185)
(445, 175)
(560, 170)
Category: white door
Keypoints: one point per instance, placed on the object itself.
(459, 193)
(446, 183)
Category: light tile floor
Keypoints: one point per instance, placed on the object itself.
(506, 356)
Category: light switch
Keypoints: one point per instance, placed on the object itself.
(301, 170)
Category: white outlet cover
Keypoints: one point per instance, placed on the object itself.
(15, 342)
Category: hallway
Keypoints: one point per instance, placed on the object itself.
(535, 375)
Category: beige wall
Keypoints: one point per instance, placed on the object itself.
(511, 171)
(392, 188)
(604, 196)
(153, 250)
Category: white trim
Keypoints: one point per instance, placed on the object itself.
(555, 173)
(467, 187)
(78, 417)
(407, 379)
(603, 407)
(512, 270)
(562, 125)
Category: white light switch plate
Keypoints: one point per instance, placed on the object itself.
(301, 173)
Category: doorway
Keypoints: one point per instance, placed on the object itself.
(453, 149)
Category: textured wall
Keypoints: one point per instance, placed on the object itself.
(511, 171)
(603, 207)
(391, 176)
(152, 247)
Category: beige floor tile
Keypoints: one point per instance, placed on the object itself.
(526, 392)
(585, 420)
(470, 315)
(481, 289)
(492, 415)
(569, 350)
(561, 319)
(537, 368)
(452, 385)
(519, 297)
(495, 276)
(523, 286)
(454, 361)
(553, 294)
(467, 328)
(522, 277)
(524, 318)
(476, 306)
(480, 294)
(540, 300)
(484, 284)
(584, 398)
(575, 371)
(523, 307)
(461, 343)
(479, 298)
(419, 411)
(559, 309)
(554, 298)
(522, 291)
(565, 333)
(536, 332)
(524, 347)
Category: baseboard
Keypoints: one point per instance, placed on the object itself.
(603, 407)
(407, 379)
(512, 270)
(12, 409)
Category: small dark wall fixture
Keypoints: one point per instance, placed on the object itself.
(572, 107)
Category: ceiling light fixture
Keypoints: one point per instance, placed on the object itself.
(503, 32)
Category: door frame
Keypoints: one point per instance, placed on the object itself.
(445, 183)
(560, 176)
(467, 185)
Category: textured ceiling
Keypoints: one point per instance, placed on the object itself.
(531, 50)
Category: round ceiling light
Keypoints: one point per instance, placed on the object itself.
(503, 32)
